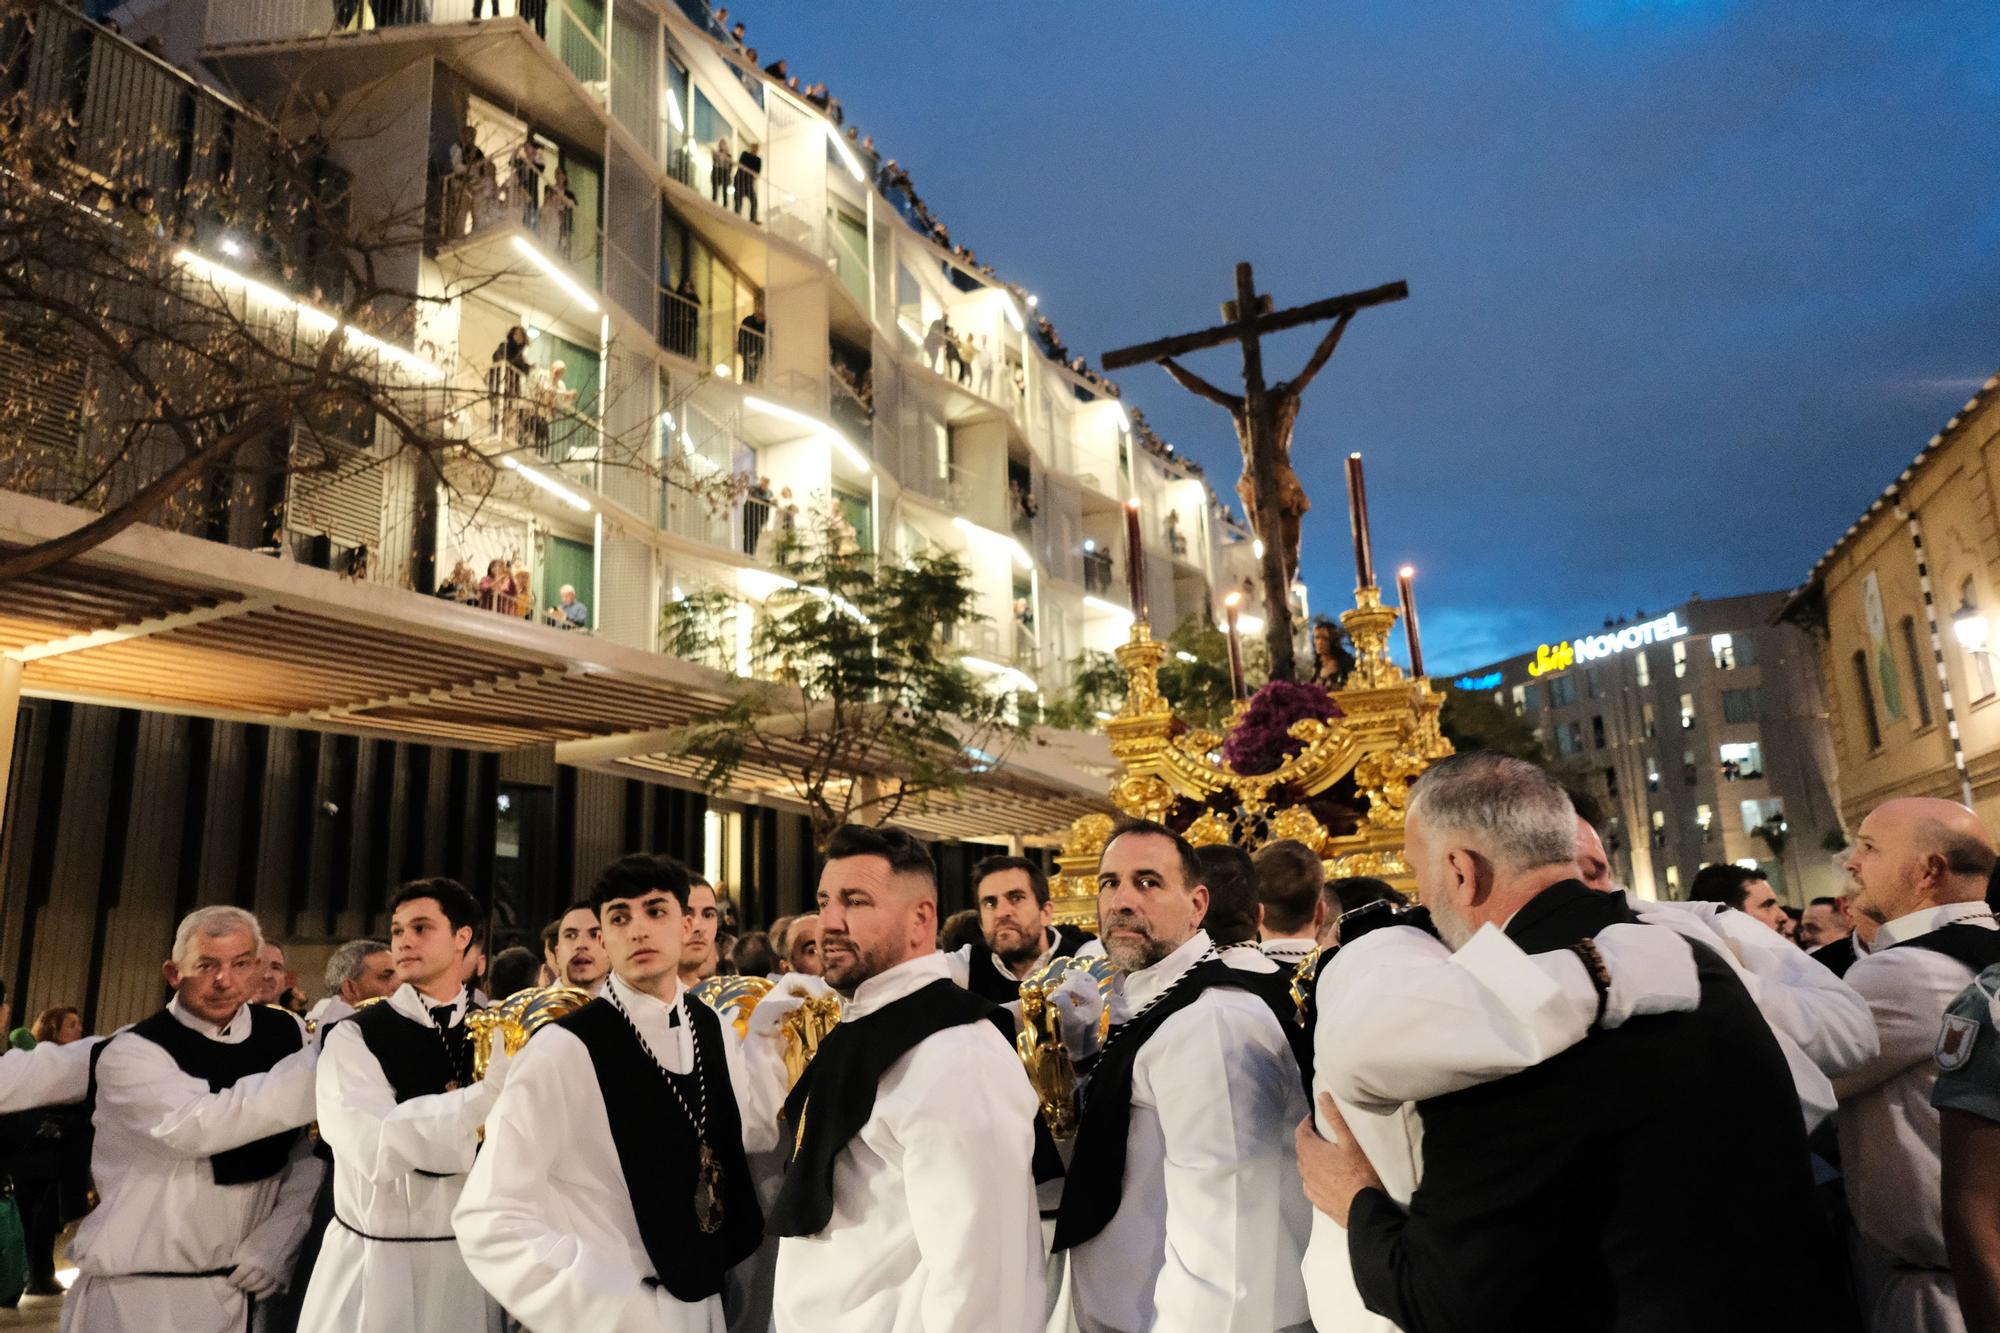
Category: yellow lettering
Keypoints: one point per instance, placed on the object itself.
(1547, 659)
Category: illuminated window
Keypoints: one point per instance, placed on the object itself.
(1674, 878)
(1742, 759)
(1687, 767)
(1645, 674)
(1756, 814)
(1680, 660)
(1704, 819)
(1520, 698)
(1981, 663)
(1646, 720)
(1659, 828)
(1687, 712)
(1652, 774)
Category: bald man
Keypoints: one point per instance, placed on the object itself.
(1919, 868)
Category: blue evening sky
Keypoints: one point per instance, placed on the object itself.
(1691, 280)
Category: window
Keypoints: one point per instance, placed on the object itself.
(1569, 738)
(1872, 723)
(1562, 691)
(1597, 731)
(1916, 672)
(1520, 698)
(1652, 774)
(1756, 814)
(1680, 660)
(1742, 759)
(1646, 721)
(1532, 699)
(1611, 782)
(1659, 828)
(1590, 682)
(1746, 651)
(1743, 705)
(1687, 712)
(1688, 770)
(1673, 879)
(1645, 673)
(1980, 663)
(1723, 646)
(1704, 819)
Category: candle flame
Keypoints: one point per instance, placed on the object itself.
(1133, 504)
(1407, 572)
(1234, 599)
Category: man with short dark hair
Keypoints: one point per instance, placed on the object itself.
(578, 957)
(1290, 914)
(613, 1191)
(1740, 888)
(1017, 927)
(909, 1200)
(205, 1183)
(1182, 1207)
(401, 1111)
(699, 958)
(1824, 922)
(273, 977)
(514, 969)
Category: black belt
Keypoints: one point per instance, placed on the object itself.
(393, 1240)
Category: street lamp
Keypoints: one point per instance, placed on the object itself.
(1970, 629)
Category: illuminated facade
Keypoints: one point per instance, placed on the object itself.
(1702, 734)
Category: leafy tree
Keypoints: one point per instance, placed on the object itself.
(1471, 720)
(1194, 679)
(856, 698)
(1096, 686)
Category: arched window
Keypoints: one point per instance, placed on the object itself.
(1867, 701)
(1917, 672)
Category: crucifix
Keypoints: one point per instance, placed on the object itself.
(1264, 416)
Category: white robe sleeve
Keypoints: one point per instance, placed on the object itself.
(49, 1075)
(273, 1244)
(757, 1076)
(967, 1133)
(139, 1083)
(1907, 992)
(541, 1275)
(381, 1139)
(1223, 1084)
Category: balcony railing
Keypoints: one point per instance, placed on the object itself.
(1098, 574)
(509, 188)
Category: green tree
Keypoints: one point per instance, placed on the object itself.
(1471, 720)
(1194, 679)
(856, 698)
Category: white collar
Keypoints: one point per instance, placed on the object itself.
(636, 1002)
(412, 1003)
(905, 978)
(1054, 942)
(235, 1030)
(1924, 920)
(1147, 983)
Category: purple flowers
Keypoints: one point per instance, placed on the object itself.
(1263, 740)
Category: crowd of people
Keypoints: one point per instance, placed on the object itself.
(1532, 1102)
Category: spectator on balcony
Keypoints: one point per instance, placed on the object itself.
(550, 398)
(736, 35)
(504, 380)
(569, 613)
(721, 165)
(750, 342)
(524, 593)
(561, 206)
(527, 184)
(142, 216)
(749, 165)
(534, 11)
(756, 513)
(496, 590)
(935, 338)
(982, 356)
(967, 351)
(1176, 541)
(459, 585)
(683, 317)
(777, 69)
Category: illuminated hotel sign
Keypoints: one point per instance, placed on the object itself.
(1489, 681)
(1593, 646)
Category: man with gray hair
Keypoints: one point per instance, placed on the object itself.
(359, 970)
(1569, 1194)
(204, 1180)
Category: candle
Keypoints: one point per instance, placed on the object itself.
(1135, 561)
(1406, 593)
(1232, 604)
(1357, 519)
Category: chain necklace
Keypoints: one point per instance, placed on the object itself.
(451, 1083)
(1119, 1030)
(708, 1172)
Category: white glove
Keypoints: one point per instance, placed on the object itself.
(252, 1277)
(1079, 1007)
(782, 1001)
(498, 1062)
(1652, 972)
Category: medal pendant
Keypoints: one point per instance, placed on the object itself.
(708, 1193)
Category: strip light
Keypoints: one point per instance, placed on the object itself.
(992, 538)
(813, 424)
(1012, 675)
(313, 317)
(548, 483)
(1109, 608)
(847, 157)
(555, 274)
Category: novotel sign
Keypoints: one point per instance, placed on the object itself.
(1590, 647)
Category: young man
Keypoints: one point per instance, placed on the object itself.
(699, 958)
(400, 1110)
(613, 1192)
(1183, 1207)
(909, 1202)
(1018, 925)
(577, 957)
(205, 1183)
(1291, 909)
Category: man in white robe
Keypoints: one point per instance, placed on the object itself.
(400, 1110)
(909, 1203)
(170, 1245)
(550, 1220)
(358, 970)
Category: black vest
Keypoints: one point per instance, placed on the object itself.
(1975, 946)
(1097, 1168)
(1836, 957)
(274, 1034)
(414, 1058)
(659, 1154)
(835, 1096)
(988, 977)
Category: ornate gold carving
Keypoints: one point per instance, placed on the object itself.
(1210, 830)
(1297, 823)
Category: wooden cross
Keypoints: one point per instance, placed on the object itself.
(1264, 417)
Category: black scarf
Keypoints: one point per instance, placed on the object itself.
(835, 1096)
(274, 1034)
(659, 1154)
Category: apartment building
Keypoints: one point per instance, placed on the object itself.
(1702, 733)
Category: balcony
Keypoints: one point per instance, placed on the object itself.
(710, 339)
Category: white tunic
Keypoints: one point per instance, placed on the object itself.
(1888, 1128)
(546, 1221)
(1212, 1220)
(49, 1075)
(160, 1210)
(934, 1221)
(379, 1146)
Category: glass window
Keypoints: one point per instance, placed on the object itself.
(1688, 770)
(1743, 705)
(1868, 718)
(1917, 673)
(1611, 781)
(1659, 828)
(1687, 712)
(1531, 699)
(1597, 731)
(1645, 673)
(1758, 813)
(1646, 721)
(1652, 774)
(1704, 818)
(1674, 878)
(1746, 650)
(1520, 698)
(710, 124)
(1680, 660)
(1723, 646)
(1590, 682)
(1742, 759)
(1979, 664)
(1562, 691)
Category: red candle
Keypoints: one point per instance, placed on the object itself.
(1406, 593)
(1231, 605)
(1357, 519)
(1135, 560)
